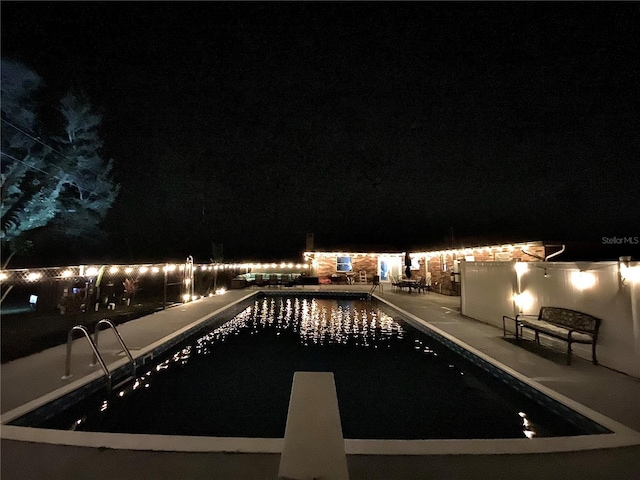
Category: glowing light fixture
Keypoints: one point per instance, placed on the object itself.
(629, 274)
(33, 276)
(523, 300)
(92, 271)
(521, 267)
(113, 270)
(143, 269)
(3, 276)
(128, 270)
(186, 297)
(583, 280)
(155, 269)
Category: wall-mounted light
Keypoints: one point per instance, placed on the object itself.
(628, 273)
(521, 268)
(523, 300)
(583, 280)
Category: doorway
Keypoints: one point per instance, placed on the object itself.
(389, 266)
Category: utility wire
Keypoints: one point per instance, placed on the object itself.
(89, 193)
(25, 163)
(49, 147)
(34, 138)
(46, 173)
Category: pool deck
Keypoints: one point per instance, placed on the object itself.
(25, 381)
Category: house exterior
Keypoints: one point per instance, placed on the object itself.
(441, 265)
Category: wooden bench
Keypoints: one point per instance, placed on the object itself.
(561, 323)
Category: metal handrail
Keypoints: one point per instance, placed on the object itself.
(373, 287)
(67, 371)
(115, 330)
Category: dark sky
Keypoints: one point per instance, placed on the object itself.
(372, 125)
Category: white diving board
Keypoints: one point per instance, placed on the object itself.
(313, 442)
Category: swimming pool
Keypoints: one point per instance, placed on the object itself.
(393, 381)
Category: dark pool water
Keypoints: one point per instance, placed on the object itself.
(392, 381)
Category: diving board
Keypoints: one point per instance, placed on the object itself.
(313, 442)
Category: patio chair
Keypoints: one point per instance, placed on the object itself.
(425, 285)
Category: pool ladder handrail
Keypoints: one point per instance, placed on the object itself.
(96, 353)
(111, 325)
(373, 287)
(67, 369)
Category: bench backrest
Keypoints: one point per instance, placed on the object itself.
(570, 319)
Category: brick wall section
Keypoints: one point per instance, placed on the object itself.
(441, 279)
(326, 266)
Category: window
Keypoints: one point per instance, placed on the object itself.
(343, 264)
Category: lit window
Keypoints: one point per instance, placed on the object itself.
(343, 264)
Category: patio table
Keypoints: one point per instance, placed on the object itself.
(410, 284)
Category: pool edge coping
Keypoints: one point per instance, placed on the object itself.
(621, 436)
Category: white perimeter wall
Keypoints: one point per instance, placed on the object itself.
(488, 288)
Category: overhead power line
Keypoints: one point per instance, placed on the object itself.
(49, 147)
(54, 176)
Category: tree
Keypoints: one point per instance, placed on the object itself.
(88, 190)
(61, 182)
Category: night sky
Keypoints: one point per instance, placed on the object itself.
(373, 125)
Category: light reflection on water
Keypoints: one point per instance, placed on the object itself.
(313, 322)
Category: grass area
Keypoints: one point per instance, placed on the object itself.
(27, 333)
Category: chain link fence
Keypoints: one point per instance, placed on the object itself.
(84, 288)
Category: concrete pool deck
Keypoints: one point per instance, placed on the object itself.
(27, 380)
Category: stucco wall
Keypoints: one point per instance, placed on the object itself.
(441, 266)
(488, 288)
